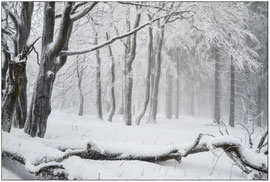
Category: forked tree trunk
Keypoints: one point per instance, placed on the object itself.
(112, 82)
(40, 107)
(129, 77)
(149, 68)
(98, 83)
(217, 116)
(154, 94)
(232, 96)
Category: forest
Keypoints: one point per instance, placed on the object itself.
(134, 90)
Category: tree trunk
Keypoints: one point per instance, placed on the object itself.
(16, 79)
(232, 96)
(192, 95)
(6, 60)
(169, 87)
(22, 36)
(98, 83)
(217, 116)
(154, 94)
(40, 107)
(129, 77)
(177, 91)
(80, 77)
(149, 68)
(112, 82)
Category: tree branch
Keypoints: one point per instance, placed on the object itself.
(83, 12)
(71, 53)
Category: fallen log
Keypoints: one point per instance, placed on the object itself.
(50, 163)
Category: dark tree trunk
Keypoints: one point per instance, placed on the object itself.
(16, 79)
(129, 77)
(112, 82)
(217, 116)
(98, 83)
(232, 96)
(149, 68)
(154, 94)
(40, 107)
(169, 88)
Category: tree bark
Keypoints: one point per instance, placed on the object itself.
(217, 116)
(154, 94)
(98, 83)
(149, 68)
(40, 107)
(129, 77)
(232, 96)
(112, 82)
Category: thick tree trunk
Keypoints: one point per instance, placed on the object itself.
(169, 88)
(149, 68)
(129, 77)
(16, 79)
(40, 107)
(6, 61)
(19, 117)
(217, 116)
(22, 36)
(112, 82)
(98, 83)
(232, 96)
(154, 94)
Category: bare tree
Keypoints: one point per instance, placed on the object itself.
(154, 94)
(40, 107)
(22, 27)
(232, 96)
(98, 82)
(112, 71)
(148, 74)
(128, 72)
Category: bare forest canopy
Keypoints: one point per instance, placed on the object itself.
(140, 60)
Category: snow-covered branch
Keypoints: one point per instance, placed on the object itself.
(83, 12)
(72, 53)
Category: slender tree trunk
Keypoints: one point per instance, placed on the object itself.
(217, 116)
(232, 96)
(98, 83)
(80, 77)
(259, 105)
(154, 95)
(40, 107)
(149, 68)
(129, 78)
(112, 82)
(192, 95)
(177, 92)
(169, 87)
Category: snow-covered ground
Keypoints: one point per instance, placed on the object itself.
(72, 130)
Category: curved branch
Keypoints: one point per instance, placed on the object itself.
(83, 12)
(72, 53)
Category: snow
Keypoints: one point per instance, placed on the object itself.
(66, 130)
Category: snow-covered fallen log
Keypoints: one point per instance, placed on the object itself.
(40, 156)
